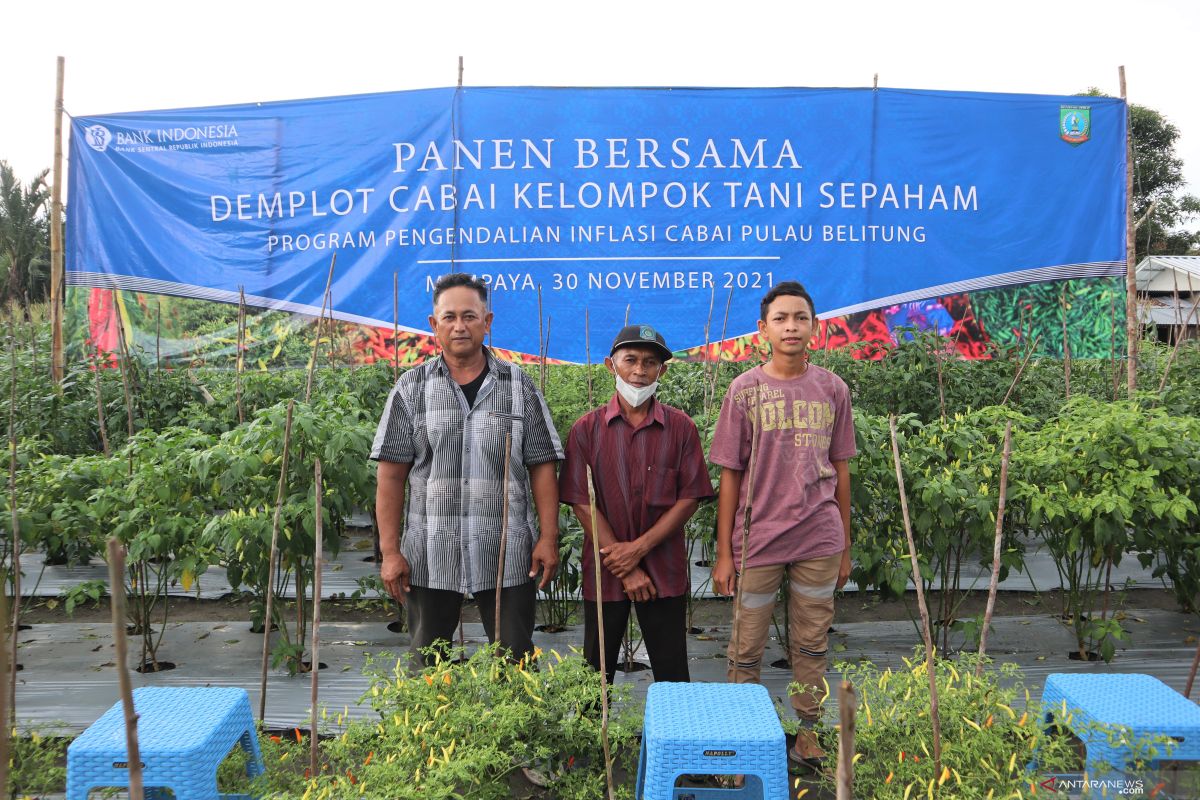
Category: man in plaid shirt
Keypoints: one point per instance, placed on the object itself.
(443, 435)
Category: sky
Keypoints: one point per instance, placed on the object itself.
(134, 55)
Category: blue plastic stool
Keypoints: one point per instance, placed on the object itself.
(711, 729)
(1143, 703)
(183, 736)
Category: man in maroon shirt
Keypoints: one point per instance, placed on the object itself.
(649, 472)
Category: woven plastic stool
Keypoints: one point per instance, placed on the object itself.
(711, 729)
(183, 736)
(1143, 703)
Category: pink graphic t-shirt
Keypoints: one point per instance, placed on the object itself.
(804, 424)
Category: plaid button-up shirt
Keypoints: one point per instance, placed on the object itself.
(452, 512)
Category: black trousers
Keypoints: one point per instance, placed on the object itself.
(433, 615)
(663, 622)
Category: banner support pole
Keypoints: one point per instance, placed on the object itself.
(1131, 324)
(56, 238)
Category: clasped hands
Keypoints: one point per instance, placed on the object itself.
(623, 559)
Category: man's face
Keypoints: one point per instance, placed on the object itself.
(789, 325)
(460, 321)
(637, 366)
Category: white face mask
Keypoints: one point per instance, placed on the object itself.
(635, 395)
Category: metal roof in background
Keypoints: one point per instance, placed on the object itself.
(1154, 274)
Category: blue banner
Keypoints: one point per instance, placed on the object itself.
(659, 201)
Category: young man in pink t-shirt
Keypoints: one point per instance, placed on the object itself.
(785, 429)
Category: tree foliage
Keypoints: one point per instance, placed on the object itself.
(1158, 179)
(24, 237)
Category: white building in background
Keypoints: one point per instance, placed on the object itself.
(1169, 295)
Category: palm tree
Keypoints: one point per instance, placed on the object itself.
(24, 237)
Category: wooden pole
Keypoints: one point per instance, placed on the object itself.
(315, 668)
(503, 537)
(100, 405)
(1066, 345)
(541, 344)
(752, 468)
(991, 600)
(587, 347)
(57, 365)
(1020, 369)
(15, 521)
(123, 361)
(158, 333)
(312, 364)
(395, 326)
(1162, 384)
(5, 728)
(116, 592)
(716, 367)
(267, 620)
(1131, 322)
(712, 299)
(924, 609)
(1187, 692)
(847, 708)
(600, 635)
(241, 350)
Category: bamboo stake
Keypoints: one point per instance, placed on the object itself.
(1175, 350)
(716, 367)
(925, 634)
(158, 333)
(123, 361)
(4, 668)
(1112, 345)
(116, 591)
(503, 537)
(712, 299)
(1020, 369)
(541, 344)
(267, 616)
(395, 326)
(600, 636)
(312, 364)
(991, 601)
(750, 474)
(315, 669)
(1187, 691)
(241, 348)
(57, 365)
(1131, 326)
(937, 359)
(1066, 345)
(847, 709)
(15, 523)
(587, 346)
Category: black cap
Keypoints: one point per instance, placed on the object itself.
(641, 336)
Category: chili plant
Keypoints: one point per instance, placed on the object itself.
(1098, 482)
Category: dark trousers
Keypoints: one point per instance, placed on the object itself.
(433, 616)
(663, 622)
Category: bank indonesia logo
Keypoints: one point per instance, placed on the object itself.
(1074, 124)
(97, 137)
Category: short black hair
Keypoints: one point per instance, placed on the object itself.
(785, 289)
(455, 279)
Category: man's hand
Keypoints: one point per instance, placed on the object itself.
(844, 569)
(724, 575)
(622, 558)
(638, 586)
(545, 560)
(395, 572)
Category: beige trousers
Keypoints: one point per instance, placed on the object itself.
(810, 590)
